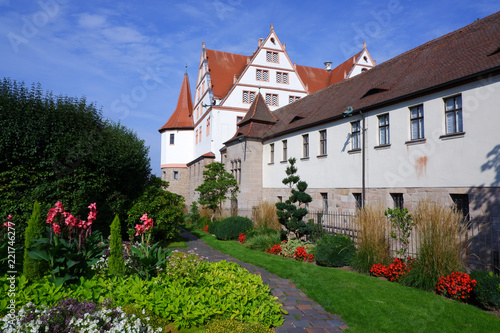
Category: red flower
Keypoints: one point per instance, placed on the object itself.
(456, 285)
(241, 238)
(206, 228)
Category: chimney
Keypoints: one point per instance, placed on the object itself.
(284, 46)
(260, 41)
(364, 45)
(235, 78)
(328, 65)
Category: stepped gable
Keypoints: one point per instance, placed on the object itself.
(257, 121)
(181, 118)
(458, 57)
(222, 67)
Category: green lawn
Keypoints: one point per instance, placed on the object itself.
(365, 303)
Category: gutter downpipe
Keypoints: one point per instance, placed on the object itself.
(363, 166)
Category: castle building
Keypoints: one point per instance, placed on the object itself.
(226, 87)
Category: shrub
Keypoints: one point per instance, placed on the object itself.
(262, 242)
(232, 227)
(116, 264)
(224, 325)
(264, 216)
(440, 230)
(194, 215)
(458, 286)
(373, 245)
(219, 288)
(33, 269)
(211, 227)
(334, 250)
(487, 291)
(164, 207)
(183, 267)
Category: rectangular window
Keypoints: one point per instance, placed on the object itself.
(453, 114)
(208, 126)
(461, 202)
(292, 99)
(324, 197)
(262, 75)
(271, 157)
(356, 135)
(397, 198)
(272, 99)
(305, 146)
(284, 142)
(322, 143)
(176, 174)
(272, 56)
(281, 77)
(417, 122)
(172, 138)
(280, 198)
(358, 198)
(248, 96)
(383, 129)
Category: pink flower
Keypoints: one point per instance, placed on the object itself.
(139, 229)
(8, 224)
(59, 207)
(57, 228)
(9, 217)
(51, 215)
(92, 214)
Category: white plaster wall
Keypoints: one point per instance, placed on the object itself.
(181, 151)
(449, 162)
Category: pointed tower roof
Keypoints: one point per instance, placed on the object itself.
(181, 118)
(257, 121)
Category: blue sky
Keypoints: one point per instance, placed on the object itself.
(129, 57)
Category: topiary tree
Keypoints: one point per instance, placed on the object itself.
(290, 213)
(116, 264)
(33, 269)
(217, 182)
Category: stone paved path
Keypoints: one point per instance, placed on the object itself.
(304, 315)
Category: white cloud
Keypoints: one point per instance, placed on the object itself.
(91, 21)
(124, 35)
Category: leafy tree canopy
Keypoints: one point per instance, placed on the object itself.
(217, 184)
(58, 148)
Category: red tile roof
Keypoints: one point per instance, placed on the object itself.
(223, 66)
(461, 56)
(319, 78)
(181, 118)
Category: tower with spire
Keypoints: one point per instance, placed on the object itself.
(177, 142)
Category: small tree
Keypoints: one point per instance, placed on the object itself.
(402, 225)
(217, 182)
(289, 214)
(116, 264)
(33, 269)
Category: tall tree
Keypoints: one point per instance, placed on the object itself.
(116, 264)
(217, 185)
(291, 212)
(58, 148)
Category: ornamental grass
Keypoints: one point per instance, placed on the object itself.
(264, 216)
(372, 242)
(440, 232)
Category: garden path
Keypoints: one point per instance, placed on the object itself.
(304, 315)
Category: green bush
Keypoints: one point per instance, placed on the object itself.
(487, 290)
(334, 251)
(212, 226)
(230, 326)
(232, 227)
(32, 268)
(221, 288)
(164, 207)
(116, 264)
